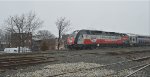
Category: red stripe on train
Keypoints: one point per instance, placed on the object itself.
(87, 41)
(103, 41)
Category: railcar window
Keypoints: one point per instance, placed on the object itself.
(88, 32)
(83, 32)
(133, 39)
(92, 32)
(130, 38)
(96, 32)
(74, 33)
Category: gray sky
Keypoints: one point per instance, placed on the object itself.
(118, 16)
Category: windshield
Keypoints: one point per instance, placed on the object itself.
(74, 33)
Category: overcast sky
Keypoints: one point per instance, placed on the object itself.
(118, 16)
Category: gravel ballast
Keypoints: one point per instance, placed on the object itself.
(65, 69)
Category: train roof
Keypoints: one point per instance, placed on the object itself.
(115, 33)
(131, 34)
(104, 32)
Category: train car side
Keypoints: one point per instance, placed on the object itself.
(91, 39)
(138, 40)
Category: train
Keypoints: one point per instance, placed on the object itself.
(91, 39)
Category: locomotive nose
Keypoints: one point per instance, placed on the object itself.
(70, 40)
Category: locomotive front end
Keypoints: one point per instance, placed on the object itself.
(71, 39)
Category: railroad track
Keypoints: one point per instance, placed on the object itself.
(128, 69)
(135, 65)
(10, 62)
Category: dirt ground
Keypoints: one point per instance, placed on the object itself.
(101, 56)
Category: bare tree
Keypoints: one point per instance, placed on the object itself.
(62, 26)
(44, 34)
(47, 39)
(1, 34)
(4, 36)
(44, 46)
(23, 26)
(7, 37)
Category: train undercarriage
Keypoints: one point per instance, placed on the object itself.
(95, 46)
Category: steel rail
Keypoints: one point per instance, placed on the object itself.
(137, 70)
(125, 69)
(8, 62)
(138, 59)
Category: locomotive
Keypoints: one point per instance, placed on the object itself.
(91, 39)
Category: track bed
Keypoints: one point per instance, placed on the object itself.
(107, 62)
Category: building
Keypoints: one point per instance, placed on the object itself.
(51, 43)
(4, 44)
(38, 42)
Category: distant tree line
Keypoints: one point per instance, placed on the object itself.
(25, 25)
